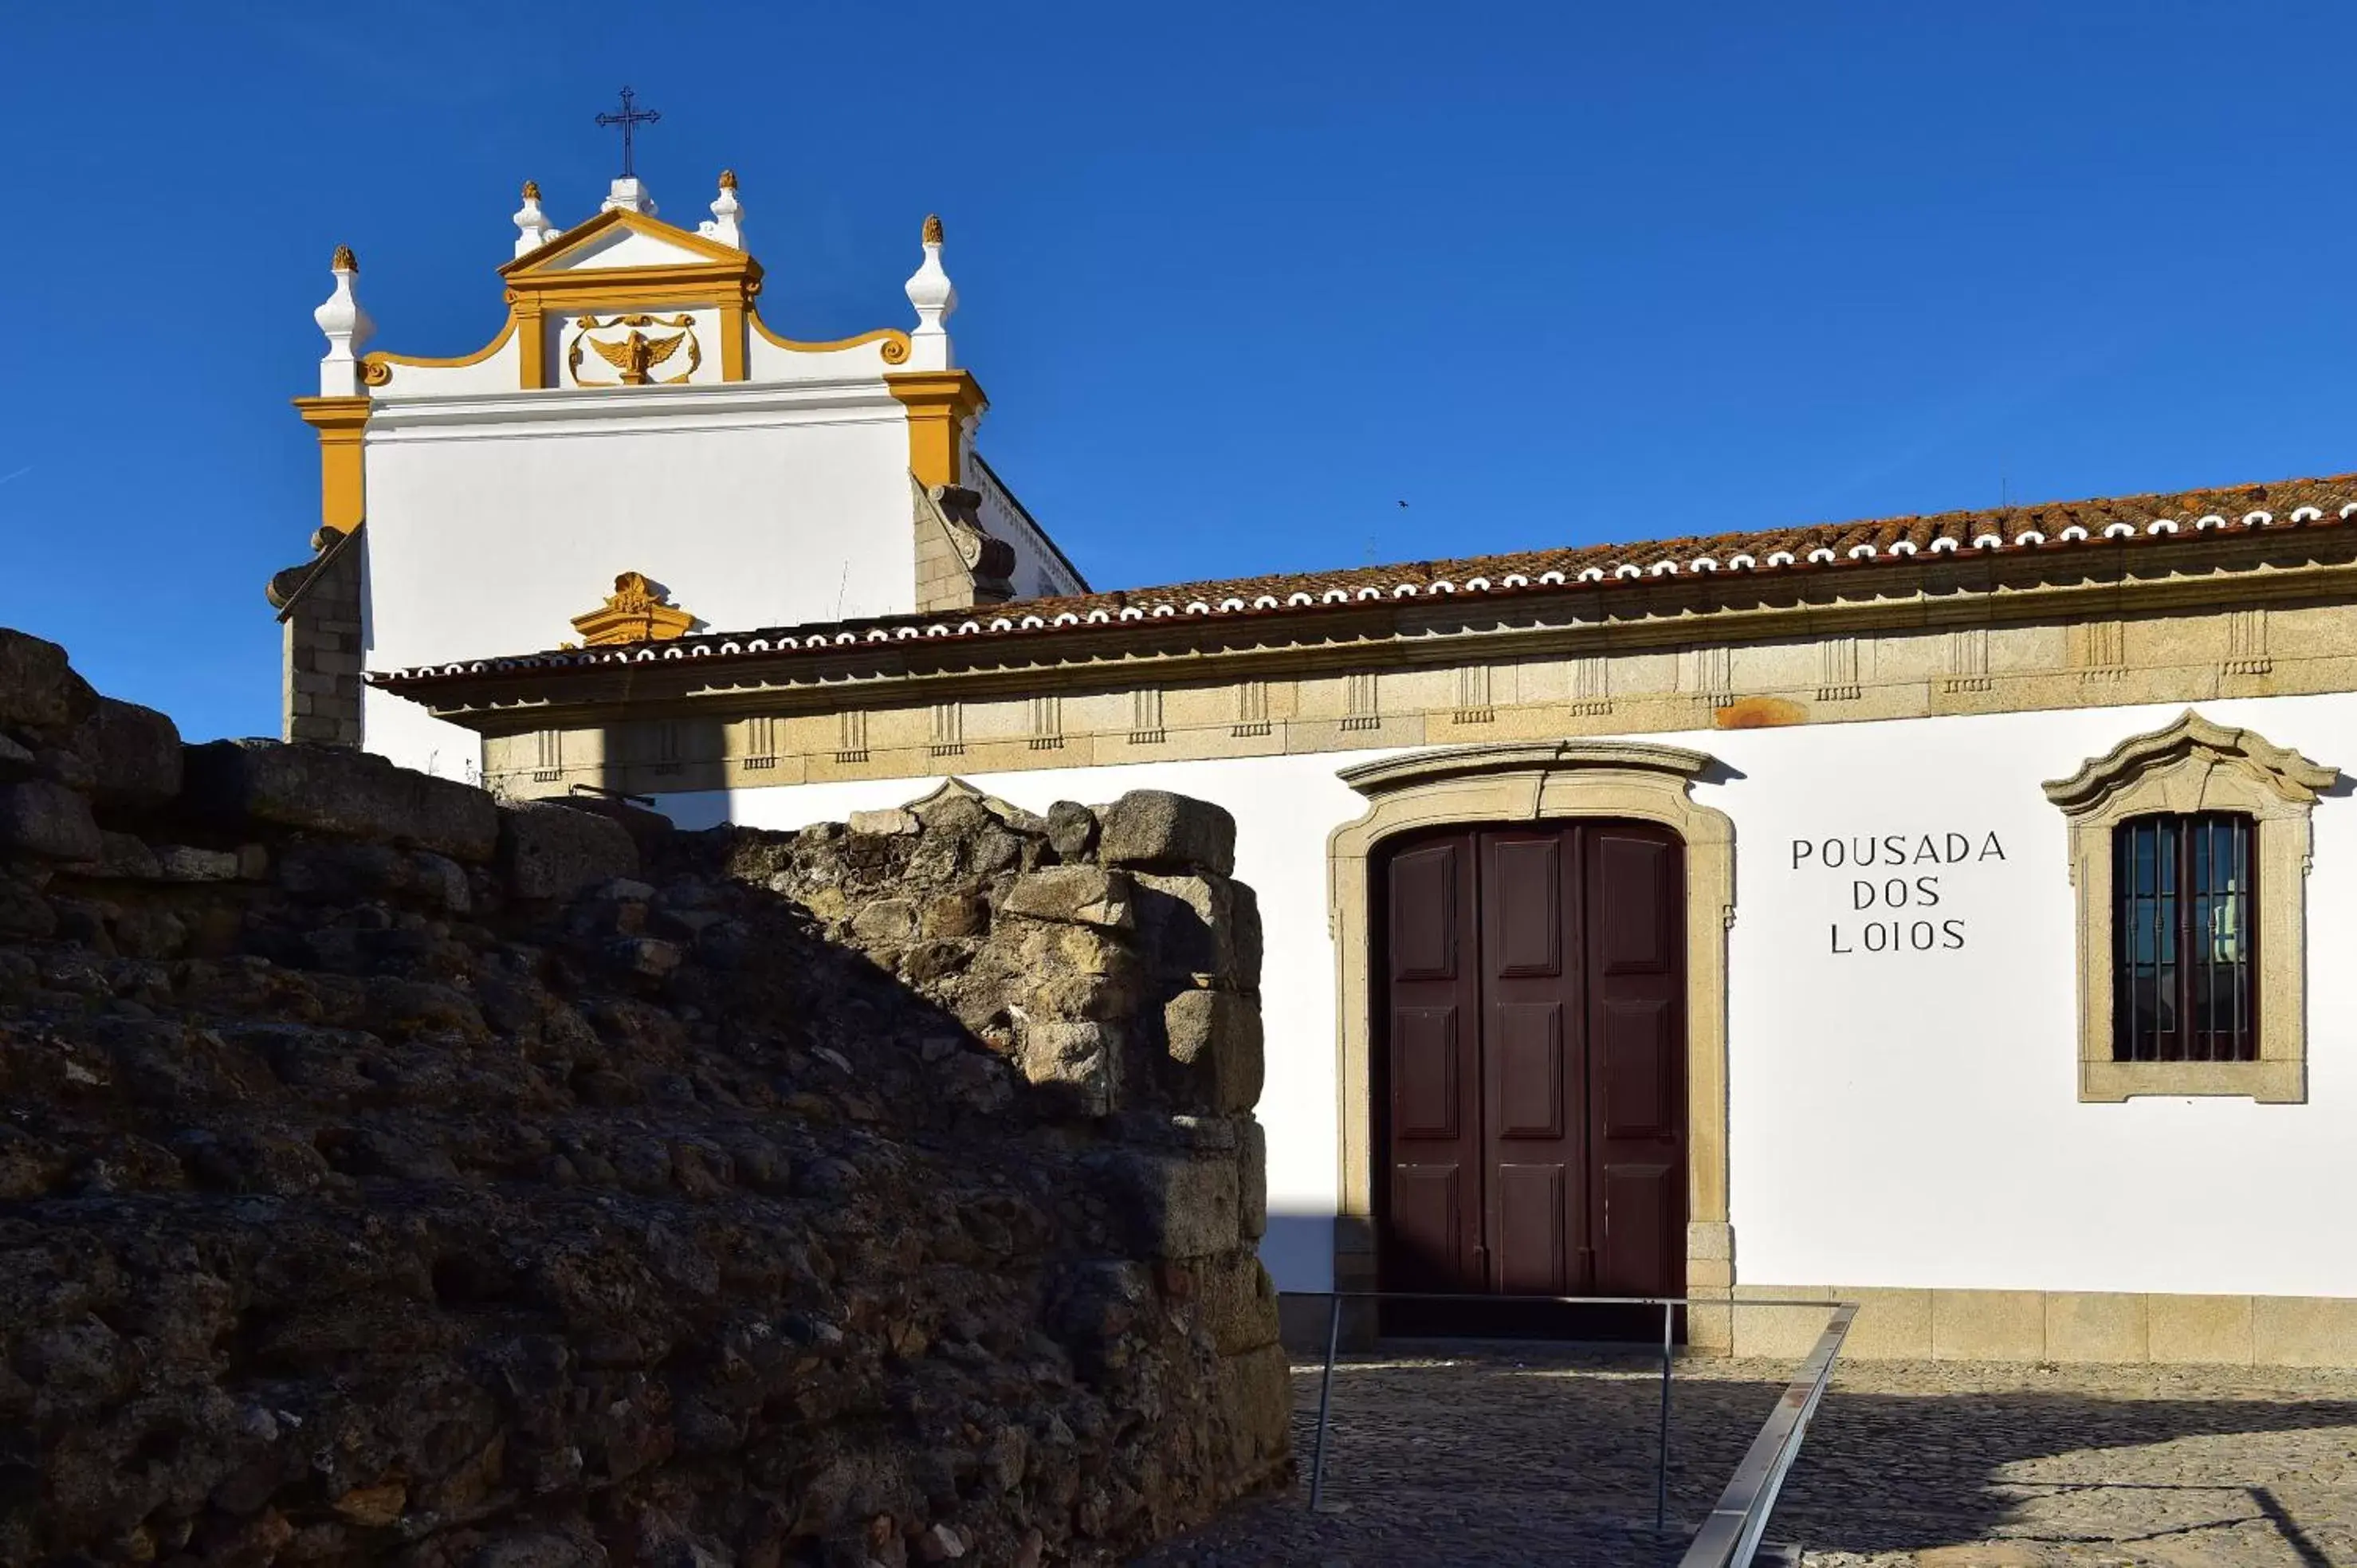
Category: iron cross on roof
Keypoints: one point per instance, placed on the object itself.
(629, 119)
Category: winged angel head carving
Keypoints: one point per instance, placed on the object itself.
(635, 356)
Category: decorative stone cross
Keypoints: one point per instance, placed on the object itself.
(629, 119)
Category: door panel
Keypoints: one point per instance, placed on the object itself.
(1527, 890)
(1428, 1074)
(1433, 1186)
(1636, 1063)
(1423, 913)
(1635, 1258)
(1636, 1025)
(1632, 874)
(1526, 884)
(1533, 1124)
(1530, 1236)
(1529, 1053)
(1428, 1226)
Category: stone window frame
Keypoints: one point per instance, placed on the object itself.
(1532, 781)
(2188, 766)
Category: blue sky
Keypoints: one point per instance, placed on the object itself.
(1238, 278)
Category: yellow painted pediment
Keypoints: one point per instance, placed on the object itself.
(621, 238)
(634, 612)
(622, 259)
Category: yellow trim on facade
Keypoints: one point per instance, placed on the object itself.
(377, 365)
(734, 350)
(724, 277)
(532, 326)
(726, 280)
(533, 264)
(895, 342)
(634, 612)
(606, 288)
(939, 402)
(341, 423)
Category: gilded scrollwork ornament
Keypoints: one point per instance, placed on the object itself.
(636, 356)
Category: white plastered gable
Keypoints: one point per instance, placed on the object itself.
(626, 246)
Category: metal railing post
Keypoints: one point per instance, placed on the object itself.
(1662, 1463)
(1729, 1534)
(1325, 1403)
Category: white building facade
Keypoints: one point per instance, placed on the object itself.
(1929, 1043)
(635, 414)
(1939, 912)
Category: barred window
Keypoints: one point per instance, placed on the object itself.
(2184, 940)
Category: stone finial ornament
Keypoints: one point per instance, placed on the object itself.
(725, 225)
(346, 326)
(935, 298)
(532, 228)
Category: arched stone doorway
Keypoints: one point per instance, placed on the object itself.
(1529, 782)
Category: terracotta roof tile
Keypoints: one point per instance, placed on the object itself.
(2330, 502)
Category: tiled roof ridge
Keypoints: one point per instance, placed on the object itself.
(2330, 500)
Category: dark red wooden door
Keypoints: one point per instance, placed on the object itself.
(1533, 1113)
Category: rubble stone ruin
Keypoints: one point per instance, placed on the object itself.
(387, 1173)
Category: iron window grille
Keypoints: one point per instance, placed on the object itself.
(2185, 939)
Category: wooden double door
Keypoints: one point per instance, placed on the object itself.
(1533, 1120)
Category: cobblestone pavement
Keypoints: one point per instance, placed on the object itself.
(1495, 1454)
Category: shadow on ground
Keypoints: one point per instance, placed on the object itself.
(1507, 1454)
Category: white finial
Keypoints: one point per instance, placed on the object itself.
(630, 192)
(347, 327)
(931, 291)
(533, 227)
(726, 223)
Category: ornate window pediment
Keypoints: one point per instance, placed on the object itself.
(2192, 768)
(636, 611)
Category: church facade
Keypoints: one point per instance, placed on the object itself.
(634, 378)
(1937, 912)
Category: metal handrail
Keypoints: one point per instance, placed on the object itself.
(1731, 1534)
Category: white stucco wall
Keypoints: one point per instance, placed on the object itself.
(1896, 1118)
(493, 522)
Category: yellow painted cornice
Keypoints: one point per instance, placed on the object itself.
(939, 404)
(697, 284)
(895, 342)
(376, 366)
(337, 413)
(341, 421)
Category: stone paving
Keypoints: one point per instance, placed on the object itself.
(1497, 1455)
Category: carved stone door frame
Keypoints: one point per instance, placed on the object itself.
(1532, 781)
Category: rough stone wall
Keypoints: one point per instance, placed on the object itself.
(320, 665)
(389, 1174)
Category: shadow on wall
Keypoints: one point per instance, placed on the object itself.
(1299, 1249)
(653, 758)
(1904, 1458)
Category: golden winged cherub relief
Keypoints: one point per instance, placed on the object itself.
(635, 356)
